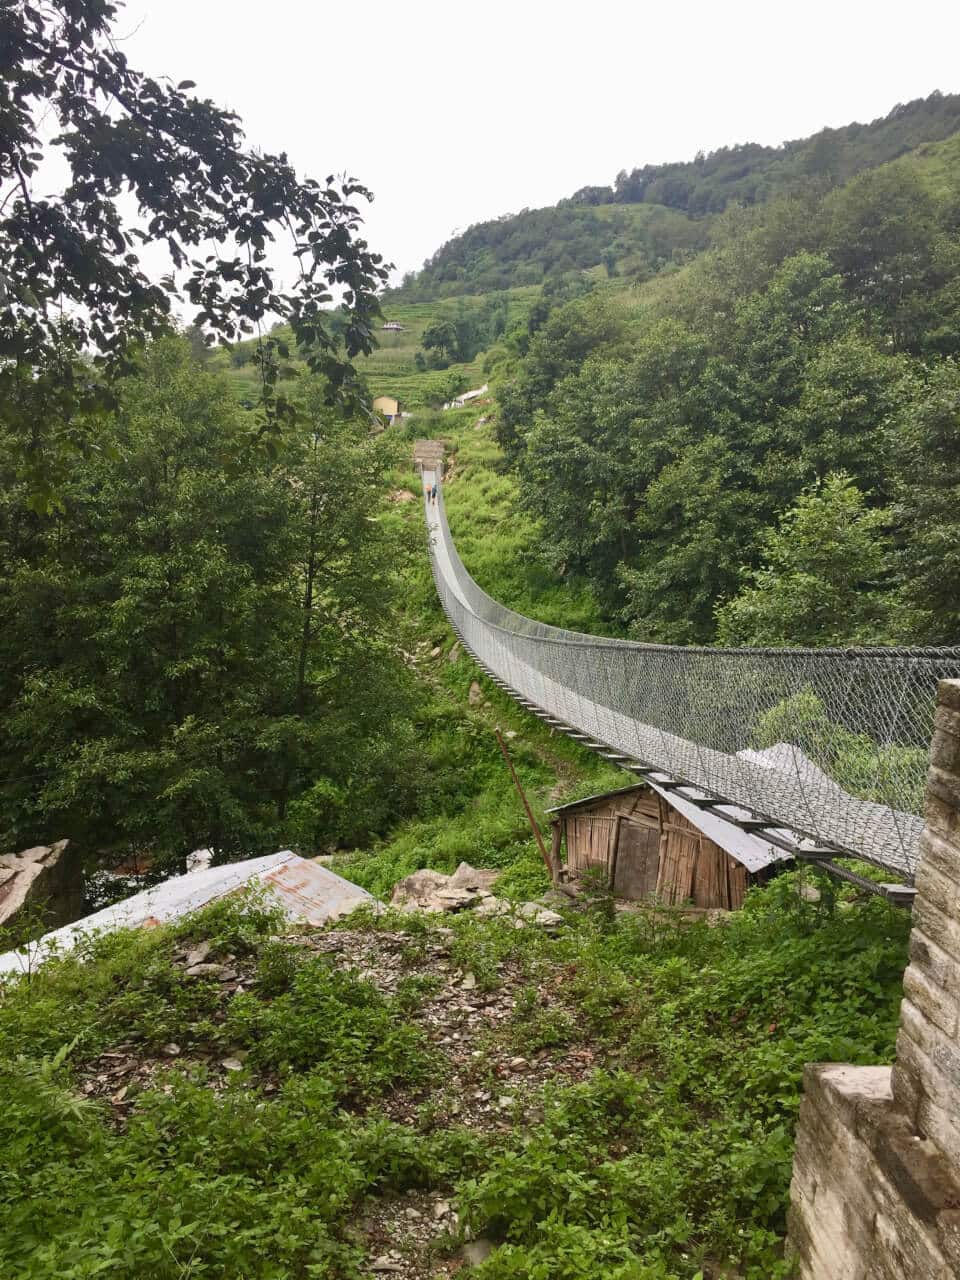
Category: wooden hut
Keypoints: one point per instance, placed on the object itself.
(651, 843)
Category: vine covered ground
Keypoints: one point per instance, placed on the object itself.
(407, 1094)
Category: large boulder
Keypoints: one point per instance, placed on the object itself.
(467, 877)
(418, 889)
(427, 890)
(468, 889)
(44, 876)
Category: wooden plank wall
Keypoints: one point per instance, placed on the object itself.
(692, 867)
(589, 841)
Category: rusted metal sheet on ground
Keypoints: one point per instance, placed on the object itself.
(311, 893)
(307, 892)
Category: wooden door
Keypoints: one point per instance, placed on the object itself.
(636, 861)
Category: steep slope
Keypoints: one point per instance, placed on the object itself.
(542, 244)
(750, 173)
(409, 1095)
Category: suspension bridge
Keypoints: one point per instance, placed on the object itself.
(821, 752)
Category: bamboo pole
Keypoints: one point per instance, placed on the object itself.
(533, 825)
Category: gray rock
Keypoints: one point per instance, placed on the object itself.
(418, 888)
(469, 982)
(492, 907)
(467, 877)
(450, 899)
(542, 916)
(477, 1251)
(197, 954)
(475, 695)
(45, 874)
(428, 890)
(205, 970)
(454, 653)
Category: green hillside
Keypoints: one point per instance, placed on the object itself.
(937, 163)
(713, 448)
(751, 174)
(544, 244)
(657, 215)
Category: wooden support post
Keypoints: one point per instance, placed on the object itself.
(533, 825)
(556, 867)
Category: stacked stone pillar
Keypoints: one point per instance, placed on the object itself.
(876, 1178)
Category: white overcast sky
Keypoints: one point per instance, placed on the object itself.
(454, 113)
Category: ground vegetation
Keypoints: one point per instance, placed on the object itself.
(614, 1097)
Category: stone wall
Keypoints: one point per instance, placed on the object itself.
(876, 1176)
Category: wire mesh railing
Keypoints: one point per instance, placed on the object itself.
(830, 744)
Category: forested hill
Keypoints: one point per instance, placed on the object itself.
(657, 215)
(750, 173)
(762, 447)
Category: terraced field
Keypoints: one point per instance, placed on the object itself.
(390, 369)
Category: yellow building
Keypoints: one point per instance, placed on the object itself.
(388, 407)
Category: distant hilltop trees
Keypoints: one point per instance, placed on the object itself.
(749, 172)
(658, 216)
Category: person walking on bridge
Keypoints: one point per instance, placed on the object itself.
(433, 493)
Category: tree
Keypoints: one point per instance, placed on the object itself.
(72, 283)
(558, 348)
(885, 238)
(441, 336)
(928, 502)
(823, 155)
(849, 393)
(695, 523)
(822, 580)
(342, 760)
(194, 642)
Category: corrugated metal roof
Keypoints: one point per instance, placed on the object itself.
(750, 850)
(788, 758)
(306, 890)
